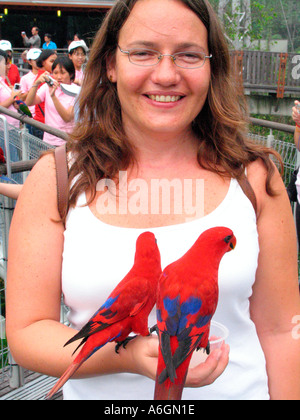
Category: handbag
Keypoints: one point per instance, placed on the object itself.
(62, 178)
(291, 189)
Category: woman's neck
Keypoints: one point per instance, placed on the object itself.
(169, 155)
(163, 149)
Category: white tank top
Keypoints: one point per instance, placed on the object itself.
(97, 256)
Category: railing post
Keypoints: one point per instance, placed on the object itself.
(6, 145)
(24, 148)
(270, 139)
(16, 379)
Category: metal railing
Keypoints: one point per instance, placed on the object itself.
(29, 148)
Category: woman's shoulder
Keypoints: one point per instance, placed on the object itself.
(258, 174)
(40, 187)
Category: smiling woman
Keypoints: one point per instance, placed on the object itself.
(158, 109)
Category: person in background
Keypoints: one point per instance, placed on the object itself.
(296, 118)
(12, 72)
(8, 96)
(7, 93)
(44, 63)
(49, 44)
(77, 37)
(25, 64)
(78, 53)
(59, 107)
(34, 41)
(28, 79)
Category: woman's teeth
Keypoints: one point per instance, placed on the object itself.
(162, 98)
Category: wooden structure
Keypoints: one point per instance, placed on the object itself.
(267, 72)
(59, 4)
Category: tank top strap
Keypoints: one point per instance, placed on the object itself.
(248, 190)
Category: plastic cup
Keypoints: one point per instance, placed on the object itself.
(217, 336)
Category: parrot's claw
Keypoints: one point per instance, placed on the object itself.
(154, 329)
(206, 349)
(124, 343)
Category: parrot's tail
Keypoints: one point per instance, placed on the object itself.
(65, 377)
(170, 392)
(91, 345)
(167, 387)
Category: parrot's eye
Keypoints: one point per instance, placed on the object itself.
(228, 239)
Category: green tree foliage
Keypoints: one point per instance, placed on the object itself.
(246, 21)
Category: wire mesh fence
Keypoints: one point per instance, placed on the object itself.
(17, 144)
(6, 210)
(287, 151)
(24, 146)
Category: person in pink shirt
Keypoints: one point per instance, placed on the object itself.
(59, 106)
(7, 94)
(77, 53)
(28, 80)
(7, 100)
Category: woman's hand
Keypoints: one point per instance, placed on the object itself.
(52, 89)
(42, 79)
(206, 373)
(15, 93)
(142, 353)
(296, 113)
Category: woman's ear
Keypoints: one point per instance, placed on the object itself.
(111, 69)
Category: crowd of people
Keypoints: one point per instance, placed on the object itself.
(48, 104)
(158, 102)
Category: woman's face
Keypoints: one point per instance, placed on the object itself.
(61, 75)
(161, 98)
(47, 64)
(78, 57)
(2, 66)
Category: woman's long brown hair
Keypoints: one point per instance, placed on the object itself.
(98, 143)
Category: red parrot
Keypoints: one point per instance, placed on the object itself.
(126, 310)
(2, 158)
(187, 298)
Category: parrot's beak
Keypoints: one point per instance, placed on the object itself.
(231, 241)
(232, 244)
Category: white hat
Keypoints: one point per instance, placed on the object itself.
(5, 45)
(33, 54)
(78, 44)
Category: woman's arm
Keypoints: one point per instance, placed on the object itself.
(35, 335)
(296, 118)
(10, 190)
(11, 100)
(67, 114)
(275, 300)
(32, 97)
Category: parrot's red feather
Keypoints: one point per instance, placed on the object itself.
(187, 299)
(126, 310)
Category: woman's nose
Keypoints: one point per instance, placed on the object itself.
(166, 72)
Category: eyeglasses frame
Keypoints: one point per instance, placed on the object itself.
(173, 56)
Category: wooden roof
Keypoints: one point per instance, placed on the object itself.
(60, 3)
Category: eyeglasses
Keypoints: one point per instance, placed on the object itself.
(146, 58)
